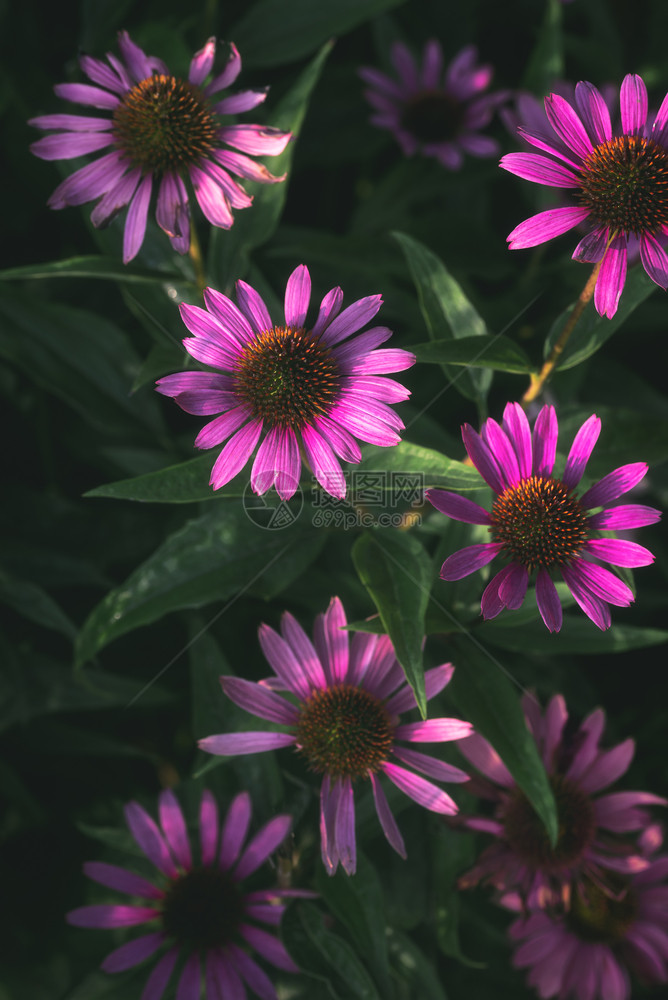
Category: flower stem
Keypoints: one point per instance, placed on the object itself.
(196, 258)
(538, 381)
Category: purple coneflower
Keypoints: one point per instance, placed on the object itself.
(345, 724)
(611, 927)
(588, 846)
(431, 112)
(539, 523)
(303, 385)
(618, 178)
(163, 129)
(196, 910)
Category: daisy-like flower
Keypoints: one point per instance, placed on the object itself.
(617, 177)
(343, 719)
(196, 910)
(590, 843)
(539, 523)
(433, 112)
(611, 928)
(159, 131)
(305, 386)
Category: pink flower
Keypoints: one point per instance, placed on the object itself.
(538, 522)
(196, 908)
(589, 845)
(433, 112)
(611, 927)
(345, 723)
(617, 178)
(307, 389)
(158, 129)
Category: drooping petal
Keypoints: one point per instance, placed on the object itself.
(344, 827)
(156, 984)
(592, 246)
(189, 981)
(430, 766)
(201, 63)
(323, 463)
(135, 223)
(602, 583)
(251, 972)
(512, 589)
(386, 817)
(548, 601)
(268, 946)
(611, 278)
(593, 606)
(654, 259)
(482, 755)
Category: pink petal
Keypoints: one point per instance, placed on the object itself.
(468, 560)
(458, 507)
(483, 459)
(259, 701)
(611, 278)
(619, 552)
(625, 516)
(619, 481)
(202, 63)
(323, 463)
(253, 307)
(387, 820)
(149, 839)
(235, 454)
(133, 952)
(434, 730)
(331, 642)
(352, 319)
(548, 601)
(593, 111)
(68, 145)
(633, 103)
(546, 226)
(517, 428)
(430, 766)
(566, 123)
(545, 435)
(215, 432)
(593, 606)
(434, 681)
(484, 757)
(208, 827)
(268, 946)
(190, 979)
(229, 74)
(261, 140)
(111, 915)
(237, 744)
(513, 588)
(156, 984)
(264, 843)
(420, 790)
(540, 170)
(121, 880)
(135, 223)
(608, 767)
(503, 452)
(174, 828)
(603, 583)
(304, 651)
(83, 93)
(581, 449)
(654, 259)
(297, 297)
(283, 662)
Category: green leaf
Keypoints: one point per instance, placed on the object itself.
(484, 694)
(275, 32)
(89, 267)
(187, 482)
(447, 312)
(230, 249)
(414, 968)
(436, 469)
(578, 635)
(220, 555)
(323, 955)
(397, 572)
(34, 604)
(498, 352)
(358, 904)
(591, 331)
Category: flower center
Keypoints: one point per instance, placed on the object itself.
(344, 731)
(539, 522)
(625, 184)
(602, 914)
(164, 124)
(432, 116)
(527, 836)
(203, 908)
(288, 377)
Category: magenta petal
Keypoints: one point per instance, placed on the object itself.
(323, 463)
(592, 246)
(264, 843)
(330, 307)
(284, 662)
(135, 223)
(202, 63)
(434, 681)
(156, 984)
(133, 952)
(342, 442)
(115, 199)
(253, 307)
(174, 828)
(344, 827)
(352, 319)
(611, 278)
(254, 976)
(217, 430)
(502, 450)
(211, 199)
(548, 601)
(482, 458)
(434, 730)
(603, 583)
(387, 820)
(566, 123)
(237, 744)
(545, 226)
(329, 797)
(208, 827)
(618, 481)
(304, 651)
(230, 317)
(420, 790)
(619, 552)
(593, 111)
(633, 103)
(111, 915)
(189, 981)
(458, 507)
(484, 757)
(228, 75)
(235, 828)
(268, 946)
(430, 766)
(149, 838)
(297, 297)
(68, 145)
(260, 701)
(581, 449)
(121, 880)
(593, 607)
(83, 93)
(235, 454)
(468, 560)
(491, 604)
(539, 169)
(513, 588)
(517, 428)
(625, 516)
(545, 434)
(608, 767)
(654, 259)
(262, 140)
(331, 642)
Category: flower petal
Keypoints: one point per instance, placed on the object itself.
(482, 458)
(517, 428)
(258, 700)
(208, 827)
(457, 507)
(331, 642)
(539, 169)
(619, 552)
(545, 435)
(633, 103)
(593, 111)
(434, 730)
(174, 828)
(283, 662)
(352, 319)
(323, 463)
(132, 953)
(123, 881)
(135, 223)
(654, 259)
(611, 278)
(548, 601)
(297, 297)
(420, 790)
(237, 744)
(264, 843)
(625, 516)
(468, 560)
(149, 839)
(235, 454)
(156, 984)
(430, 766)
(546, 226)
(618, 481)
(386, 817)
(581, 449)
(566, 123)
(111, 915)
